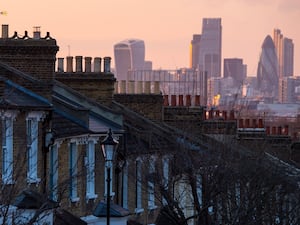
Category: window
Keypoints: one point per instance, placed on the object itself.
(7, 151)
(90, 168)
(125, 186)
(200, 189)
(32, 150)
(139, 208)
(53, 176)
(73, 171)
(151, 187)
(165, 168)
(108, 164)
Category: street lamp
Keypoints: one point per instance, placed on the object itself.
(109, 146)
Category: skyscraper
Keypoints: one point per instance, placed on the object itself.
(129, 55)
(285, 54)
(194, 51)
(233, 67)
(210, 50)
(267, 70)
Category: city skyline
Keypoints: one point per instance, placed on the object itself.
(166, 27)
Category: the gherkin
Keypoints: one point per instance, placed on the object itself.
(267, 70)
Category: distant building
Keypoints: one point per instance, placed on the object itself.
(213, 90)
(129, 55)
(195, 51)
(233, 67)
(267, 70)
(289, 89)
(285, 53)
(210, 50)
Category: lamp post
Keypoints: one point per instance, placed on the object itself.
(109, 146)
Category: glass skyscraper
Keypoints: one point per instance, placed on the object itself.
(267, 70)
(210, 50)
(285, 54)
(129, 55)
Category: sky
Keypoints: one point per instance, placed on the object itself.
(92, 27)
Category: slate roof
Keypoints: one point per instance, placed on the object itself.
(65, 127)
(16, 96)
(73, 114)
(115, 210)
(29, 199)
(63, 217)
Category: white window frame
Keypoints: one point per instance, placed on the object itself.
(7, 150)
(90, 170)
(32, 150)
(53, 176)
(73, 172)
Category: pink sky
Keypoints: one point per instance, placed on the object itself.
(91, 28)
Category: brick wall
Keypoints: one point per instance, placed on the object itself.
(148, 105)
(34, 57)
(96, 86)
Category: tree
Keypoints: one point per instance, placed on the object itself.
(218, 181)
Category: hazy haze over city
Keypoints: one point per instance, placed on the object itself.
(91, 28)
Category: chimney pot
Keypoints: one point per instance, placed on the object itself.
(97, 64)
(37, 32)
(60, 67)
(4, 31)
(78, 60)
(87, 65)
(69, 64)
(107, 64)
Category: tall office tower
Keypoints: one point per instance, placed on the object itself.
(194, 51)
(233, 67)
(288, 57)
(267, 70)
(129, 55)
(285, 53)
(210, 51)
